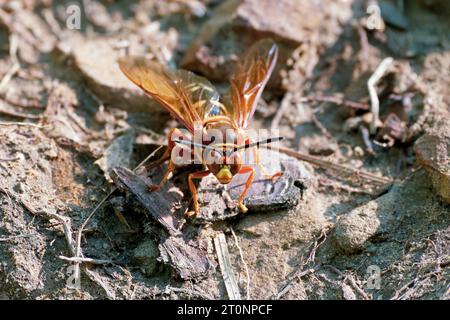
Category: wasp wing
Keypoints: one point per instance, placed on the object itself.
(250, 78)
(188, 97)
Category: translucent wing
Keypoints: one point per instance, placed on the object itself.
(186, 96)
(250, 78)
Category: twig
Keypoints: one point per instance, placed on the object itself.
(335, 185)
(9, 159)
(96, 278)
(19, 115)
(412, 283)
(8, 76)
(280, 113)
(350, 280)
(223, 256)
(13, 45)
(26, 124)
(366, 138)
(22, 103)
(371, 83)
(86, 260)
(301, 271)
(318, 241)
(355, 286)
(67, 228)
(7, 239)
(52, 22)
(335, 166)
(243, 262)
(337, 100)
(321, 127)
(289, 285)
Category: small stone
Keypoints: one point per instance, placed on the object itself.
(433, 152)
(117, 154)
(145, 255)
(354, 230)
(96, 59)
(188, 259)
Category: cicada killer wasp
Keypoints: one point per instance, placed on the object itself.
(195, 103)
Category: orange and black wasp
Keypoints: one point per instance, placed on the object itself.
(193, 100)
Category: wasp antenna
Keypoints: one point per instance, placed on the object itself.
(194, 144)
(261, 142)
(257, 144)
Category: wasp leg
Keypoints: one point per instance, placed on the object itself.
(247, 186)
(166, 156)
(160, 161)
(272, 177)
(157, 187)
(195, 175)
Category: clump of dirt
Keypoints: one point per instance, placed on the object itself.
(361, 213)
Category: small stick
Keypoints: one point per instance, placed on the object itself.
(366, 138)
(335, 185)
(24, 104)
(338, 167)
(15, 237)
(9, 159)
(371, 83)
(8, 76)
(66, 223)
(13, 45)
(241, 254)
(280, 113)
(411, 283)
(358, 289)
(86, 260)
(96, 278)
(19, 115)
(223, 256)
(321, 127)
(288, 286)
(350, 280)
(26, 124)
(337, 100)
(302, 271)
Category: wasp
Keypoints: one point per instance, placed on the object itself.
(197, 105)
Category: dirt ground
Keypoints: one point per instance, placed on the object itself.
(370, 221)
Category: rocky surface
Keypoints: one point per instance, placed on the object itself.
(97, 61)
(69, 118)
(433, 152)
